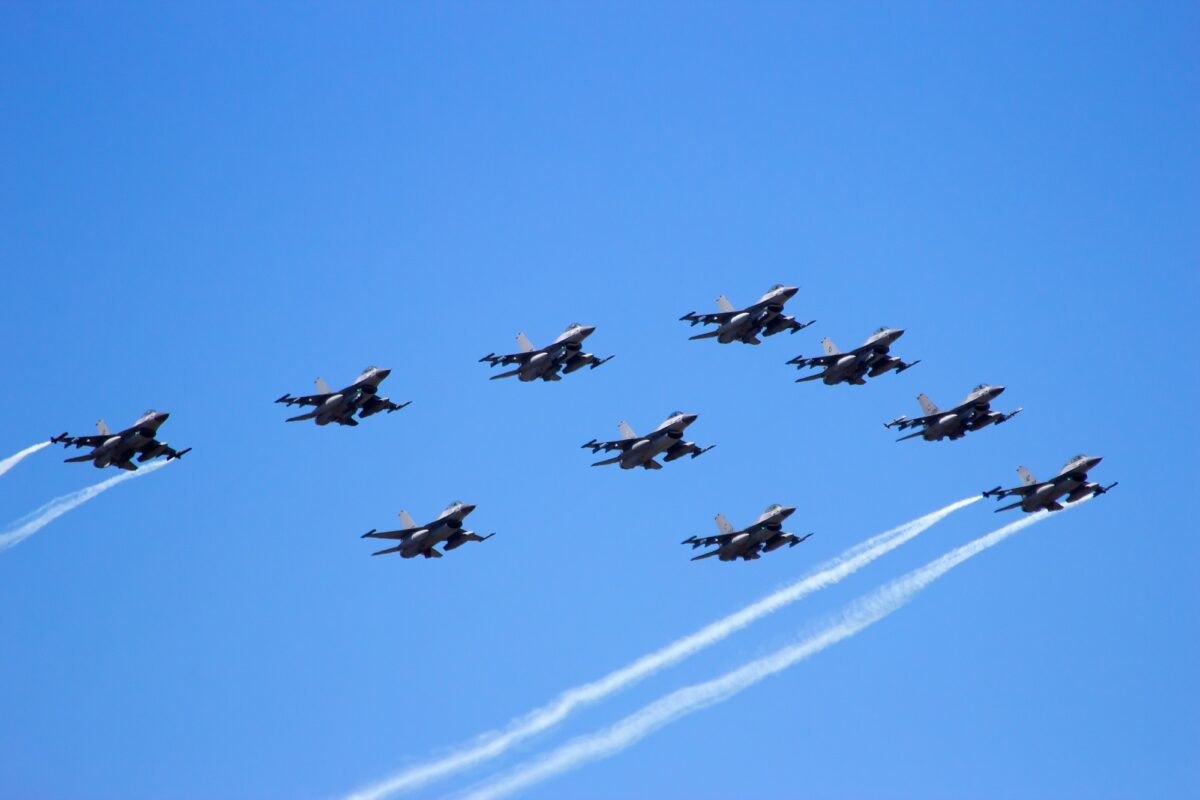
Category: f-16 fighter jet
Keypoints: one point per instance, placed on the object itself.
(868, 360)
(640, 451)
(118, 449)
(1070, 482)
(764, 317)
(973, 413)
(362, 397)
(422, 540)
(564, 354)
(765, 535)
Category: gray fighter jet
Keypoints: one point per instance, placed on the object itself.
(764, 317)
(1071, 482)
(422, 540)
(869, 360)
(118, 449)
(361, 397)
(765, 535)
(973, 413)
(640, 451)
(564, 354)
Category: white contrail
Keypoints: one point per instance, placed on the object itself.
(13, 460)
(494, 744)
(30, 524)
(858, 615)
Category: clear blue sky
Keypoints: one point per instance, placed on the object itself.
(204, 209)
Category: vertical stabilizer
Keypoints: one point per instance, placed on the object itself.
(524, 343)
(723, 525)
(1026, 476)
(323, 387)
(626, 430)
(928, 407)
(406, 521)
(831, 349)
(102, 428)
(723, 304)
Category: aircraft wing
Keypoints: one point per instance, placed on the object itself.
(816, 361)
(903, 423)
(306, 400)
(79, 441)
(608, 447)
(511, 358)
(1020, 491)
(715, 318)
(721, 539)
(400, 534)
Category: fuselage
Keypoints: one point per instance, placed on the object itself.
(869, 357)
(562, 350)
(359, 395)
(121, 447)
(1069, 483)
(660, 440)
(745, 324)
(972, 413)
(447, 524)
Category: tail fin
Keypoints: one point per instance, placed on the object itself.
(928, 407)
(723, 525)
(626, 430)
(723, 304)
(831, 349)
(102, 428)
(323, 387)
(1026, 476)
(524, 343)
(406, 521)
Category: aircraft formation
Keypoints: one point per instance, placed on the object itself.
(565, 355)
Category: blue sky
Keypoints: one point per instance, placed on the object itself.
(204, 209)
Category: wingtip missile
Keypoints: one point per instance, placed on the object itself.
(991, 492)
(62, 437)
(488, 356)
(286, 398)
(702, 451)
(689, 317)
(798, 540)
(900, 420)
(909, 365)
(585, 446)
(369, 533)
(179, 454)
(485, 538)
(601, 361)
(1106, 489)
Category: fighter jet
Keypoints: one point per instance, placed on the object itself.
(563, 354)
(640, 451)
(422, 540)
(1070, 482)
(868, 360)
(765, 535)
(973, 413)
(764, 317)
(362, 397)
(118, 449)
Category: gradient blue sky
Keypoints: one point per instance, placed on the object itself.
(203, 209)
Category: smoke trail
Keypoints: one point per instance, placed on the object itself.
(858, 615)
(32, 523)
(13, 460)
(494, 744)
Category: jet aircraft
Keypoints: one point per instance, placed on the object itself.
(640, 451)
(1071, 482)
(422, 540)
(765, 316)
(869, 360)
(118, 449)
(765, 535)
(362, 397)
(564, 354)
(973, 413)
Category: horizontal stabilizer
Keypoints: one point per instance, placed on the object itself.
(651, 464)
(77, 459)
(910, 436)
(709, 554)
(387, 550)
(1006, 508)
(708, 335)
(309, 415)
(813, 377)
(508, 374)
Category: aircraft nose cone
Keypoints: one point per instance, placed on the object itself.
(790, 291)
(688, 419)
(998, 390)
(587, 330)
(787, 511)
(162, 416)
(383, 373)
(1094, 460)
(468, 508)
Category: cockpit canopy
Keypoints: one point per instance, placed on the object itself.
(771, 508)
(1075, 459)
(980, 388)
